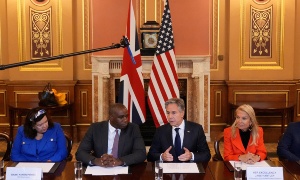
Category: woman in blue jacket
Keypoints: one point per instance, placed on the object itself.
(39, 139)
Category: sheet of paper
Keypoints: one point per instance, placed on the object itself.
(97, 170)
(257, 164)
(180, 168)
(46, 167)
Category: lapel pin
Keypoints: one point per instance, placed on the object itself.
(51, 139)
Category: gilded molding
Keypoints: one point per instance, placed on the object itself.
(84, 99)
(86, 33)
(23, 35)
(158, 10)
(279, 92)
(214, 65)
(218, 103)
(274, 63)
(3, 93)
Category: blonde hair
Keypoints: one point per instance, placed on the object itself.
(254, 124)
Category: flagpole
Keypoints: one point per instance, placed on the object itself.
(123, 43)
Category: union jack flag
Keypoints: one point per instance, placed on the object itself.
(163, 83)
(132, 93)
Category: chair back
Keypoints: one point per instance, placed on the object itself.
(6, 137)
(217, 142)
(69, 147)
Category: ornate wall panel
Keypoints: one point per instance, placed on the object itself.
(39, 26)
(86, 33)
(261, 34)
(3, 103)
(41, 33)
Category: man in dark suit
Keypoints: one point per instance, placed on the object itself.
(97, 146)
(289, 145)
(192, 141)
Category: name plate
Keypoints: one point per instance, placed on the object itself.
(262, 173)
(15, 173)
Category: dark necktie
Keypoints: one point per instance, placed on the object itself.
(115, 145)
(177, 143)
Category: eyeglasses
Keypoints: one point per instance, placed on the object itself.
(39, 113)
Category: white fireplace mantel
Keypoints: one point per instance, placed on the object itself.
(196, 69)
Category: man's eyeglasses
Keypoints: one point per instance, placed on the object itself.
(39, 113)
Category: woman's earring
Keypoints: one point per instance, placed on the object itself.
(250, 127)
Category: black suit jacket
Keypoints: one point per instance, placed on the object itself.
(289, 145)
(194, 140)
(94, 144)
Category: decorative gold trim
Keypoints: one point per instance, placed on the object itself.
(286, 93)
(277, 64)
(218, 102)
(1, 43)
(158, 10)
(22, 41)
(16, 93)
(216, 35)
(4, 103)
(83, 98)
(87, 64)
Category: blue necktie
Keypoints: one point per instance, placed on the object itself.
(177, 143)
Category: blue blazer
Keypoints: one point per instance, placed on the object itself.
(289, 145)
(194, 140)
(51, 147)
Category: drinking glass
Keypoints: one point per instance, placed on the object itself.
(158, 170)
(238, 170)
(78, 170)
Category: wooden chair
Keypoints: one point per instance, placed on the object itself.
(8, 141)
(69, 147)
(218, 141)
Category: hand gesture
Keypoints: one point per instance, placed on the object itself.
(166, 156)
(186, 156)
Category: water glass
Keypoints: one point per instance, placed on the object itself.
(238, 170)
(158, 170)
(78, 170)
(1, 169)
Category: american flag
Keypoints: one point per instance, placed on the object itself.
(131, 92)
(163, 83)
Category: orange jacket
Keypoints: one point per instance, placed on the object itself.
(233, 147)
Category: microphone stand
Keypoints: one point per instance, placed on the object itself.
(123, 43)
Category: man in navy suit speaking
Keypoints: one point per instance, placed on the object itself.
(179, 140)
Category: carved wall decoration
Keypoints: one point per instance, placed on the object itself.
(41, 35)
(28, 12)
(262, 39)
(261, 30)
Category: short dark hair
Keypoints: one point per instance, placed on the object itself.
(178, 101)
(32, 117)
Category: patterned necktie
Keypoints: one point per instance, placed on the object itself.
(115, 145)
(177, 142)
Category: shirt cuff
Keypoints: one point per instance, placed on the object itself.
(193, 157)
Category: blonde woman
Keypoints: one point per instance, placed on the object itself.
(243, 141)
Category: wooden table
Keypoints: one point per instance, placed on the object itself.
(220, 171)
(17, 110)
(286, 112)
(292, 167)
(213, 170)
